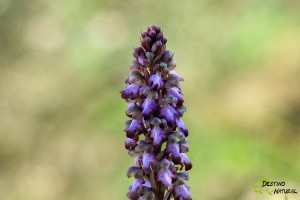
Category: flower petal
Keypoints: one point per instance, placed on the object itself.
(156, 81)
(149, 106)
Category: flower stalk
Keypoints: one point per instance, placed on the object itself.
(156, 135)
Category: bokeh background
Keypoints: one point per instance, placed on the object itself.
(63, 64)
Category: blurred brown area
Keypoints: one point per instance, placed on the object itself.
(63, 64)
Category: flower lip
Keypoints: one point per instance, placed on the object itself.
(156, 81)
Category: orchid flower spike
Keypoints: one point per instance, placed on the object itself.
(156, 135)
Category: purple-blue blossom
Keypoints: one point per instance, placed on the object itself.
(156, 134)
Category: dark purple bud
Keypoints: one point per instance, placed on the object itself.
(165, 40)
(146, 43)
(152, 33)
(180, 125)
(148, 158)
(144, 34)
(160, 37)
(156, 81)
(130, 144)
(168, 113)
(156, 28)
(156, 46)
(133, 127)
(149, 106)
(164, 175)
(181, 192)
(172, 65)
(185, 161)
(174, 149)
(131, 92)
(167, 57)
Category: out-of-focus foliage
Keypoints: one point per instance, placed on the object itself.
(63, 64)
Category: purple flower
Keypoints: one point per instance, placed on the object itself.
(148, 158)
(168, 113)
(165, 175)
(132, 190)
(174, 149)
(131, 92)
(181, 192)
(149, 106)
(130, 144)
(156, 135)
(175, 92)
(133, 127)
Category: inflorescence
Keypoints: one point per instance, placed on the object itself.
(156, 136)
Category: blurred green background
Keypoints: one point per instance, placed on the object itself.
(63, 64)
